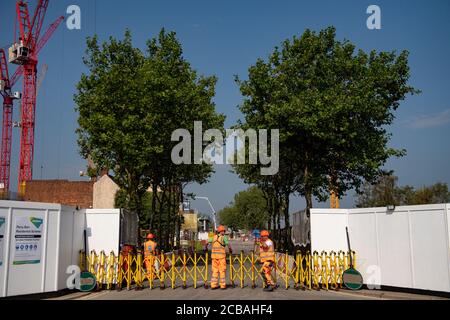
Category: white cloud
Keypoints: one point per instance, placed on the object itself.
(428, 121)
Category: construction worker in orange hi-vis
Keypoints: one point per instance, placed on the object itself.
(267, 256)
(149, 253)
(218, 256)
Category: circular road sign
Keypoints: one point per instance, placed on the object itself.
(87, 281)
(352, 279)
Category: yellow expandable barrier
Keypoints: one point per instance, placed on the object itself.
(309, 271)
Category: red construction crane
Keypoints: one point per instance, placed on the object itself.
(8, 97)
(24, 52)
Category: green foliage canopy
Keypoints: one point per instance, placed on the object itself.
(248, 211)
(129, 103)
(332, 105)
(387, 192)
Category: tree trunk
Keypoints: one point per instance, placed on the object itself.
(309, 203)
(153, 213)
(166, 228)
(269, 208)
(174, 214)
(140, 213)
(274, 215)
(287, 227)
(178, 230)
(160, 211)
(308, 189)
(277, 211)
(172, 218)
(169, 219)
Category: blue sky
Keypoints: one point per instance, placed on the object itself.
(224, 38)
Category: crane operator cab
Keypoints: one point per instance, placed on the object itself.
(19, 53)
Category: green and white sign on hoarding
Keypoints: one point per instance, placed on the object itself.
(27, 240)
(2, 237)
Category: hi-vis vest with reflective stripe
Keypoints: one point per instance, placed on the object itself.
(268, 254)
(149, 247)
(218, 248)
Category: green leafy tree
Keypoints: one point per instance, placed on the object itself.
(382, 193)
(437, 193)
(178, 97)
(229, 216)
(129, 104)
(332, 105)
(110, 122)
(387, 192)
(275, 191)
(248, 211)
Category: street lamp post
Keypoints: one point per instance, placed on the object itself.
(212, 208)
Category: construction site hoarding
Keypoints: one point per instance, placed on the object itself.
(37, 244)
(408, 247)
(39, 241)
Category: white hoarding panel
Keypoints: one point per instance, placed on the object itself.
(37, 247)
(2, 237)
(363, 238)
(51, 244)
(103, 230)
(395, 250)
(79, 224)
(447, 217)
(5, 213)
(430, 250)
(66, 247)
(407, 248)
(328, 230)
(25, 270)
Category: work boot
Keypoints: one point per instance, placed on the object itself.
(268, 289)
(214, 288)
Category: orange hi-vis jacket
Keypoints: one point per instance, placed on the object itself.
(149, 247)
(218, 248)
(267, 254)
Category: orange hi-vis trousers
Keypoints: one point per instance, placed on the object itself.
(150, 265)
(219, 267)
(267, 269)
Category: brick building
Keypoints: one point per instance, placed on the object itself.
(99, 193)
(72, 193)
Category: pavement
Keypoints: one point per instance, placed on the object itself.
(246, 293)
(208, 294)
